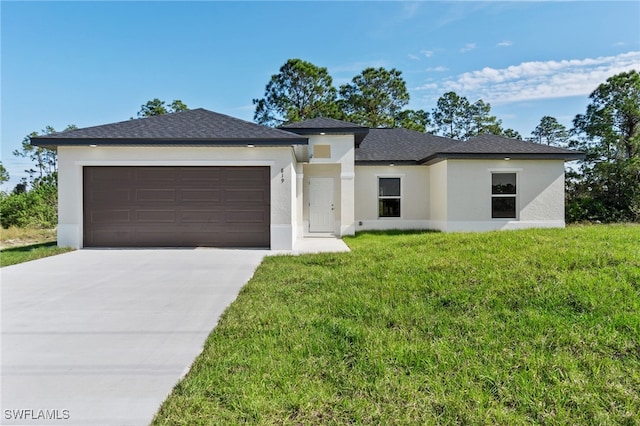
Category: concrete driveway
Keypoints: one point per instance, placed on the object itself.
(102, 336)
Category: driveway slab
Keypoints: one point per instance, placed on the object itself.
(100, 337)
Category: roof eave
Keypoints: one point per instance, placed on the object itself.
(437, 157)
(53, 142)
(386, 162)
(359, 132)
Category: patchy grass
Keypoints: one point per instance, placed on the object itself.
(521, 327)
(13, 236)
(14, 255)
(24, 244)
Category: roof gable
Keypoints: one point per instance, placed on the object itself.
(197, 126)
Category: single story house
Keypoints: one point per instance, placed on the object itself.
(199, 178)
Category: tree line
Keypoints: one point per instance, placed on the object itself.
(604, 187)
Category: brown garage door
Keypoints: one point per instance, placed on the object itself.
(176, 206)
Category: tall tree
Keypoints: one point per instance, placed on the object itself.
(609, 134)
(513, 134)
(413, 120)
(550, 132)
(301, 90)
(455, 117)
(158, 107)
(44, 159)
(481, 121)
(4, 174)
(374, 97)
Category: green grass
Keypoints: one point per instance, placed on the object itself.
(519, 327)
(14, 255)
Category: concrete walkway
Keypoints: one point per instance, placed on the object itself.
(100, 337)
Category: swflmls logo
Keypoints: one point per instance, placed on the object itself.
(30, 414)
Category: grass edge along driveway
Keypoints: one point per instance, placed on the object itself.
(14, 255)
(518, 327)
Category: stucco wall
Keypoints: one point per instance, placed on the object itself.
(540, 194)
(279, 159)
(414, 192)
(438, 202)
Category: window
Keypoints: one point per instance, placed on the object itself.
(388, 197)
(503, 195)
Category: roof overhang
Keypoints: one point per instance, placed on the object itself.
(437, 157)
(358, 132)
(191, 142)
(387, 163)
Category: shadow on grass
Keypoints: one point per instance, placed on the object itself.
(396, 232)
(25, 249)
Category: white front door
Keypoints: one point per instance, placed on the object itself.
(321, 208)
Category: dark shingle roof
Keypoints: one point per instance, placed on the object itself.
(492, 146)
(330, 126)
(400, 145)
(193, 127)
(408, 146)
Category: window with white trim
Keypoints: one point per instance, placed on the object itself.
(503, 195)
(389, 197)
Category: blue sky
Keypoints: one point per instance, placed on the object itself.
(90, 63)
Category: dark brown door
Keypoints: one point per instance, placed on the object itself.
(176, 207)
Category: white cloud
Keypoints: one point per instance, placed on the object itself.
(414, 57)
(505, 43)
(427, 53)
(468, 47)
(437, 69)
(536, 79)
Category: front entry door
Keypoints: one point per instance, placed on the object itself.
(321, 208)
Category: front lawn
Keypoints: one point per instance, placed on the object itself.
(19, 254)
(522, 327)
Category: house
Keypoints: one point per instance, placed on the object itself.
(199, 178)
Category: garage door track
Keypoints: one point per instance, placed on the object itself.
(102, 336)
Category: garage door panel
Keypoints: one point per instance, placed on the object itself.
(111, 216)
(155, 174)
(244, 195)
(109, 196)
(246, 216)
(207, 175)
(155, 216)
(177, 206)
(153, 195)
(201, 216)
(199, 195)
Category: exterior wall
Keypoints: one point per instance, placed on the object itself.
(539, 202)
(438, 205)
(414, 197)
(280, 159)
(340, 166)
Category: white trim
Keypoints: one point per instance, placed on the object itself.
(505, 169)
(516, 195)
(160, 163)
(504, 224)
(392, 223)
(347, 175)
(390, 176)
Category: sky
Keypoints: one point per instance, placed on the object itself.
(89, 63)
